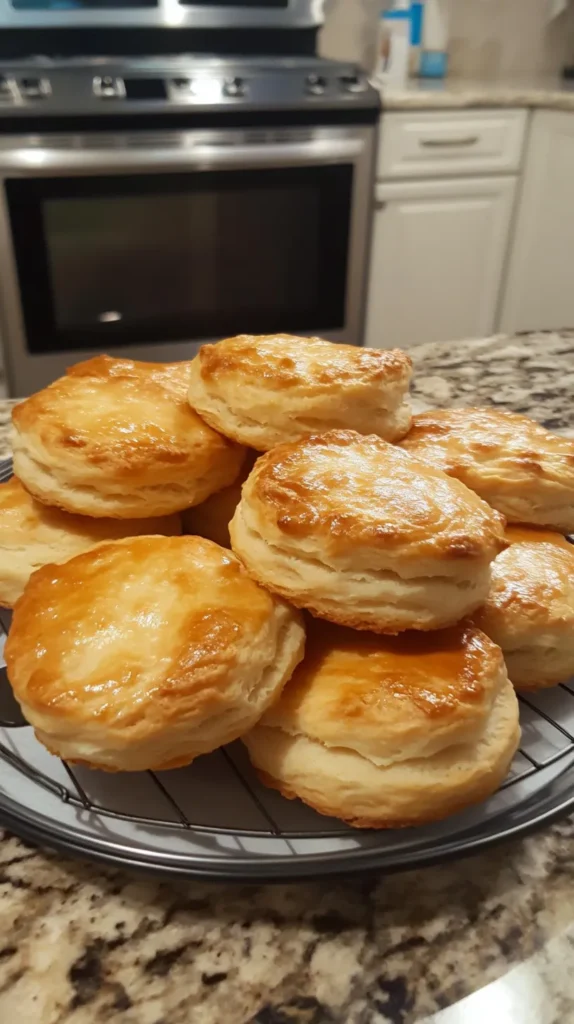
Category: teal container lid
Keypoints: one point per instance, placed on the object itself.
(433, 64)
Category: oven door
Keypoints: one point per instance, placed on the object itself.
(148, 245)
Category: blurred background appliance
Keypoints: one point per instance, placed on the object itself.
(161, 186)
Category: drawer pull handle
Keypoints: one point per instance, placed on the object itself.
(469, 140)
(380, 204)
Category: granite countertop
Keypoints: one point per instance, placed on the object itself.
(492, 935)
(6, 406)
(551, 93)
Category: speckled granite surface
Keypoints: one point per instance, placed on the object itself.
(453, 93)
(6, 406)
(531, 373)
(84, 945)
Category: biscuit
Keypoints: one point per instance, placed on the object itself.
(264, 390)
(33, 535)
(387, 732)
(516, 465)
(117, 438)
(356, 531)
(529, 611)
(146, 652)
(211, 519)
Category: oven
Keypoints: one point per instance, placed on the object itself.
(147, 244)
(166, 15)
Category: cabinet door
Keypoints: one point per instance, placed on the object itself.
(540, 285)
(439, 249)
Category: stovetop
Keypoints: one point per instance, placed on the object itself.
(155, 84)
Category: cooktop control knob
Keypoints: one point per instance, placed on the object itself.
(351, 81)
(35, 88)
(315, 84)
(234, 87)
(108, 88)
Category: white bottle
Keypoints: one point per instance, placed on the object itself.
(434, 55)
(394, 46)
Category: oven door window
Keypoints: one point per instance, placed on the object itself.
(113, 261)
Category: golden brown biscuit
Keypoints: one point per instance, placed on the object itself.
(146, 652)
(386, 732)
(356, 531)
(264, 390)
(117, 438)
(516, 465)
(211, 519)
(33, 535)
(530, 608)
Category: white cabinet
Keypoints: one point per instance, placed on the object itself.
(540, 285)
(439, 249)
(451, 143)
(442, 224)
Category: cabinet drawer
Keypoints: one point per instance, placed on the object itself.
(420, 145)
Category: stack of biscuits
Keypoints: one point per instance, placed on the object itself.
(346, 596)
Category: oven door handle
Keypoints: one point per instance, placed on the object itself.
(38, 160)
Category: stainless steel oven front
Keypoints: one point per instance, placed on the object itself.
(148, 244)
(169, 15)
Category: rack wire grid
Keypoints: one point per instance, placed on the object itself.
(215, 818)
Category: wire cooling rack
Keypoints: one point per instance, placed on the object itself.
(214, 818)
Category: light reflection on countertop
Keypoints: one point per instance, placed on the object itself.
(539, 991)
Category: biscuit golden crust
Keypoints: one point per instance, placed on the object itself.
(117, 438)
(356, 531)
(352, 489)
(515, 464)
(268, 389)
(384, 732)
(33, 535)
(529, 611)
(161, 649)
(391, 698)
